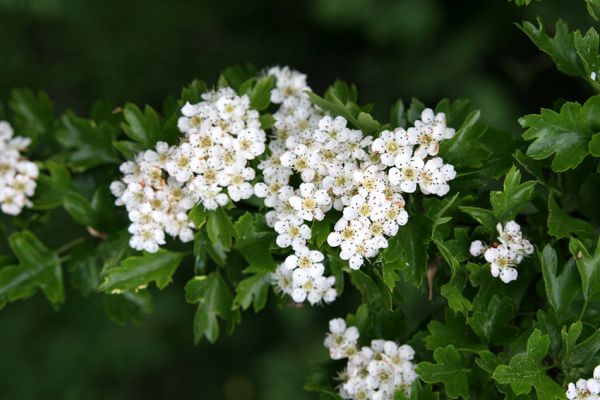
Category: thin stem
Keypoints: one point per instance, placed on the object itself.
(583, 309)
(70, 245)
(64, 258)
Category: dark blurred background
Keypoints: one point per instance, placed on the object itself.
(142, 51)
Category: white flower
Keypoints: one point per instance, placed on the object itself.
(393, 144)
(305, 263)
(585, 389)
(377, 371)
(505, 257)
(342, 340)
(302, 159)
(310, 203)
(407, 173)
(288, 83)
(477, 248)
(18, 176)
(292, 232)
(502, 263)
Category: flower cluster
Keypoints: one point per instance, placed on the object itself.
(339, 168)
(374, 372)
(585, 389)
(506, 256)
(301, 276)
(18, 175)
(208, 166)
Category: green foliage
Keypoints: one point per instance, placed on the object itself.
(138, 271)
(37, 268)
(568, 134)
(475, 337)
(448, 370)
(214, 299)
(526, 372)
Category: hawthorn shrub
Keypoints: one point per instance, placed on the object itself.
(262, 190)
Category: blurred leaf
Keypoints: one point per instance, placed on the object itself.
(526, 371)
(143, 127)
(39, 268)
(414, 110)
(214, 300)
(33, 113)
(91, 144)
(561, 47)
(260, 95)
(193, 92)
(562, 225)
(128, 306)
(397, 117)
(138, 271)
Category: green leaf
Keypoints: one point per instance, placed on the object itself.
(565, 134)
(561, 225)
(453, 292)
(91, 144)
(588, 267)
(192, 93)
(448, 370)
(453, 331)
(33, 115)
(260, 95)
(236, 75)
(79, 208)
(397, 118)
(365, 285)
(592, 7)
(465, 148)
(414, 110)
(525, 371)
(582, 353)
(138, 271)
(214, 299)
(481, 215)
(253, 240)
(493, 325)
(219, 228)
(39, 268)
(129, 149)
(407, 252)
(198, 215)
(266, 121)
(560, 48)
(253, 291)
(142, 127)
(561, 289)
(587, 50)
(515, 196)
(128, 306)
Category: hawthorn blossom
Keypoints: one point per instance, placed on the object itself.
(585, 389)
(18, 175)
(506, 256)
(377, 371)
